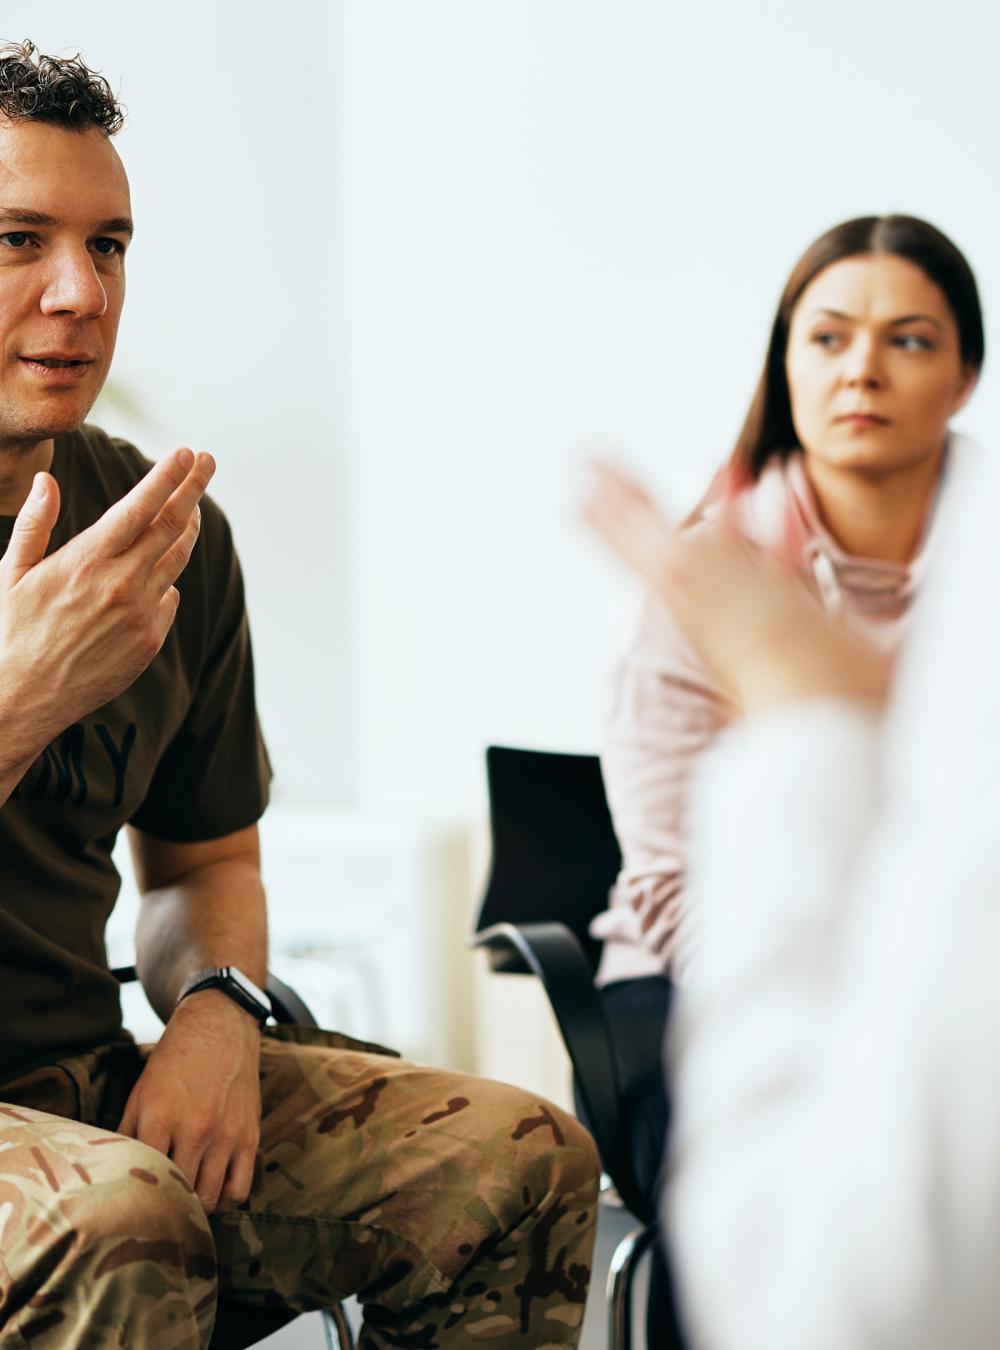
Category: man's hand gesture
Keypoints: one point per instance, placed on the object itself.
(77, 628)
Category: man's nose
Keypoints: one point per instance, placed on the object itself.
(73, 287)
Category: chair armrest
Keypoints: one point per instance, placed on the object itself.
(286, 1005)
(554, 953)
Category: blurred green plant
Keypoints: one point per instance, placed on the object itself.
(119, 398)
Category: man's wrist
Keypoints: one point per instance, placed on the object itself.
(23, 737)
(235, 985)
(214, 1005)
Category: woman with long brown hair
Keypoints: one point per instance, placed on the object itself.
(876, 344)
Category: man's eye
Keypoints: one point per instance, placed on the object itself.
(107, 248)
(15, 238)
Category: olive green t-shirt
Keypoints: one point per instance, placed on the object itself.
(179, 755)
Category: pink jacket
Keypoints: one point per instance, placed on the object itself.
(665, 709)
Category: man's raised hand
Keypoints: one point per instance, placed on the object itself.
(77, 628)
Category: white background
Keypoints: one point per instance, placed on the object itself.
(399, 265)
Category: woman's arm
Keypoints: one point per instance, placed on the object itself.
(664, 709)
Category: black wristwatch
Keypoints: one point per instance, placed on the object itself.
(235, 985)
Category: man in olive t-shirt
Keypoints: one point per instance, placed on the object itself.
(281, 1171)
(177, 756)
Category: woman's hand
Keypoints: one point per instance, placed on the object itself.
(748, 615)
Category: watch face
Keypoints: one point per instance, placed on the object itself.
(247, 985)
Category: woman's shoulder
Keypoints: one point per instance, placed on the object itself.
(759, 510)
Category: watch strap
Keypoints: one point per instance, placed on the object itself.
(231, 982)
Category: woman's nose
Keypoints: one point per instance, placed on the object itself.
(863, 367)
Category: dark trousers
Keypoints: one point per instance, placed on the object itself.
(637, 1012)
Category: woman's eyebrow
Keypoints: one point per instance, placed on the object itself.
(917, 318)
(893, 323)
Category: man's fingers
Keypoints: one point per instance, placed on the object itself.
(175, 516)
(129, 1123)
(173, 562)
(32, 528)
(239, 1179)
(211, 1178)
(166, 612)
(122, 523)
(134, 1126)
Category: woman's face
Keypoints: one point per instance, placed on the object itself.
(873, 365)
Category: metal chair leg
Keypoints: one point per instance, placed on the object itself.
(621, 1274)
(338, 1330)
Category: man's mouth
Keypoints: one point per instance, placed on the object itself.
(56, 369)
(54, 362)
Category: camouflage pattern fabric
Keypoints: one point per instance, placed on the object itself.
(460, 1211)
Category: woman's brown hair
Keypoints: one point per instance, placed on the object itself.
(768, 428)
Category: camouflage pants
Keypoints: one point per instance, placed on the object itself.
(460, 1211)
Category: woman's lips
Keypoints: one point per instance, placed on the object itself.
(862, 420)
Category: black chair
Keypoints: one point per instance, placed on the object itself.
(554, 859)
(238, 1325)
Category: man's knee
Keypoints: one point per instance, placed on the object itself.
(128, 1247)
(543, 1130)
(149, 1208)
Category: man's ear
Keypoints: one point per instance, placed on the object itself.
(970, 378)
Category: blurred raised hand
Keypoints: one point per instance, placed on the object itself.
(747, 613)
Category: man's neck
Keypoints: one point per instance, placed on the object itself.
(18, 465)
(876, 515)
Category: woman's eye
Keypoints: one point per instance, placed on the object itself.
(912, 342)
(826, 339)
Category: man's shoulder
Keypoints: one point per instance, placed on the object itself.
(113, 455)
(94, 470)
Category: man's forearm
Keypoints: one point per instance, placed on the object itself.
(24, 734)
(10, 776)
(214, 915)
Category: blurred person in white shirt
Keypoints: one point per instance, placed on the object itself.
(835, 1165)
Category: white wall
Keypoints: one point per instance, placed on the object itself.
(398, 264)
(567, 222)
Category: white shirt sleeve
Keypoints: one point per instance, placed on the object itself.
(834, 1178)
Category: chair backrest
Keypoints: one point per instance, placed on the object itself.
(555, 854)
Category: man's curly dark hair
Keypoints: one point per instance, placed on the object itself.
(37, 88)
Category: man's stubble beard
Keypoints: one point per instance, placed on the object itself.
(19, 437)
